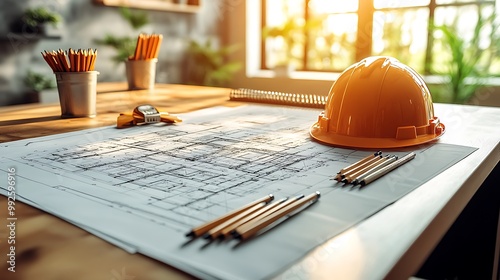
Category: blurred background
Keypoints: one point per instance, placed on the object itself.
(298, 46)
(86, 24)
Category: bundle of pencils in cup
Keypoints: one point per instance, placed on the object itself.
(71, 60)
(147, 47)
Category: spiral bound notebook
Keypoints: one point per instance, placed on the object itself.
(274, 97)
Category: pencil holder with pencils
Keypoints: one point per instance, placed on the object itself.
(76, 81)
(141, 67)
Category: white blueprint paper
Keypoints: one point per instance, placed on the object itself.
(143, 188)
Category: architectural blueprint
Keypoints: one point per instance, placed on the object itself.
(144, 187)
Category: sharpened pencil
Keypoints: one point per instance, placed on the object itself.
(204, 228)
(247, 230)
(356, 164)
(217, 231)
(71, 60)
(389, 160)
(144, 46)
(263, 212)
(360, 166)
(350, 177)
(94, 57)
(381, 172)
(157, 46)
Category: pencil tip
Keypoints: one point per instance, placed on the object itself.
(190, 234)
(207, 236)
(236, 235)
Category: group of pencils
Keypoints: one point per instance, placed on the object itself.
(371, 168)
(71, 60)
(147, 47)
(253, 218)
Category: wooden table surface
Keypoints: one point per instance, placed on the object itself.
(32, 120)
(393, 243)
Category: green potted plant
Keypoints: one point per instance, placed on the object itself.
(469, 61)
(41, 88)
(35, 21)
(209, 65)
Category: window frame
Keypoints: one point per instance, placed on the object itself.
(364, 40)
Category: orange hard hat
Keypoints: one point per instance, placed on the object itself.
(378, 102)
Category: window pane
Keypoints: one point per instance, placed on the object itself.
(440, 2)
(332, 43)
(380, 4)
(461, 21)
(284, 34)
(331, 34)
(325, 38)
(403, 35)
(333, 6)
(278, 11)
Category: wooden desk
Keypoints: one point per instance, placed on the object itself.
(32, 120)
(393, 243)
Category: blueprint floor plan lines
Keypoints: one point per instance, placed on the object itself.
(146, 186)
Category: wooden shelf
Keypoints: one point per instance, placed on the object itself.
(19, 37)
(192, 6)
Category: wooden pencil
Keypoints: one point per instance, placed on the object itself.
(86, 55)
(138, 47)
(92, 60)
(158, 44)
(148, 47)
(342, 171)
(58, 61)
(249, 229)
(72, 60)
(62, 60)
(84, 61)
(350, 177)
(48, 60)
(204, 228)
(53, 54)
(145, 46)
(78, 60)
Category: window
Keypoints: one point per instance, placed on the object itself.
(330, 35)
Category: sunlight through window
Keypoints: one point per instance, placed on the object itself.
(330, 35)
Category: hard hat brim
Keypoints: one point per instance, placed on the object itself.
(369, 143)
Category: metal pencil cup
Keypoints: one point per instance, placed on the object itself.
(141, 73)
(77, 93)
